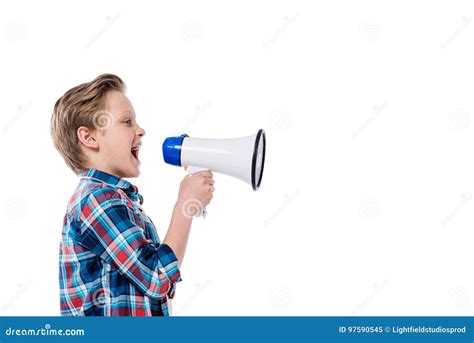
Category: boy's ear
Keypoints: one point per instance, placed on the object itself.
(87, 137)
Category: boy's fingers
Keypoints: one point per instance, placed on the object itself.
(206, 174)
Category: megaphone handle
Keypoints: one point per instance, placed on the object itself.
(193, 170)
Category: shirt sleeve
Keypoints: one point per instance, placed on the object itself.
(109, 231)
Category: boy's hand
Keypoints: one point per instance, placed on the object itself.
(195, 192)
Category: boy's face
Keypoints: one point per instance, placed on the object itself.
(118, 138)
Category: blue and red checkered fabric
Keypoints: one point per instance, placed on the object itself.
(111, 260)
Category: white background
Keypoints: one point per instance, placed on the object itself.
(365, 207)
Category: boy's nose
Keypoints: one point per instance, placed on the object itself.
(140, 132)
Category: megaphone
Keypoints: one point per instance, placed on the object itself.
(242, 158)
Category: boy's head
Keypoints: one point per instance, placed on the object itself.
(94, 126)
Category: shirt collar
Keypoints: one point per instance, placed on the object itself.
(112, 180)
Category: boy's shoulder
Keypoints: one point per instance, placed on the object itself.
(93, 193)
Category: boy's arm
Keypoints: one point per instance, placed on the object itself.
(194, 192)
(178, 232)
(108, 231)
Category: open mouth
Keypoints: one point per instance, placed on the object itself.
(135, 150)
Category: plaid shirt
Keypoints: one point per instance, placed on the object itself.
(107, 266)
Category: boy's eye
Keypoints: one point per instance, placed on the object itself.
(128, 122)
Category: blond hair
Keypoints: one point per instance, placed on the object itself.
(83, 105)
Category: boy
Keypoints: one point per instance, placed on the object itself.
(112, 261)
